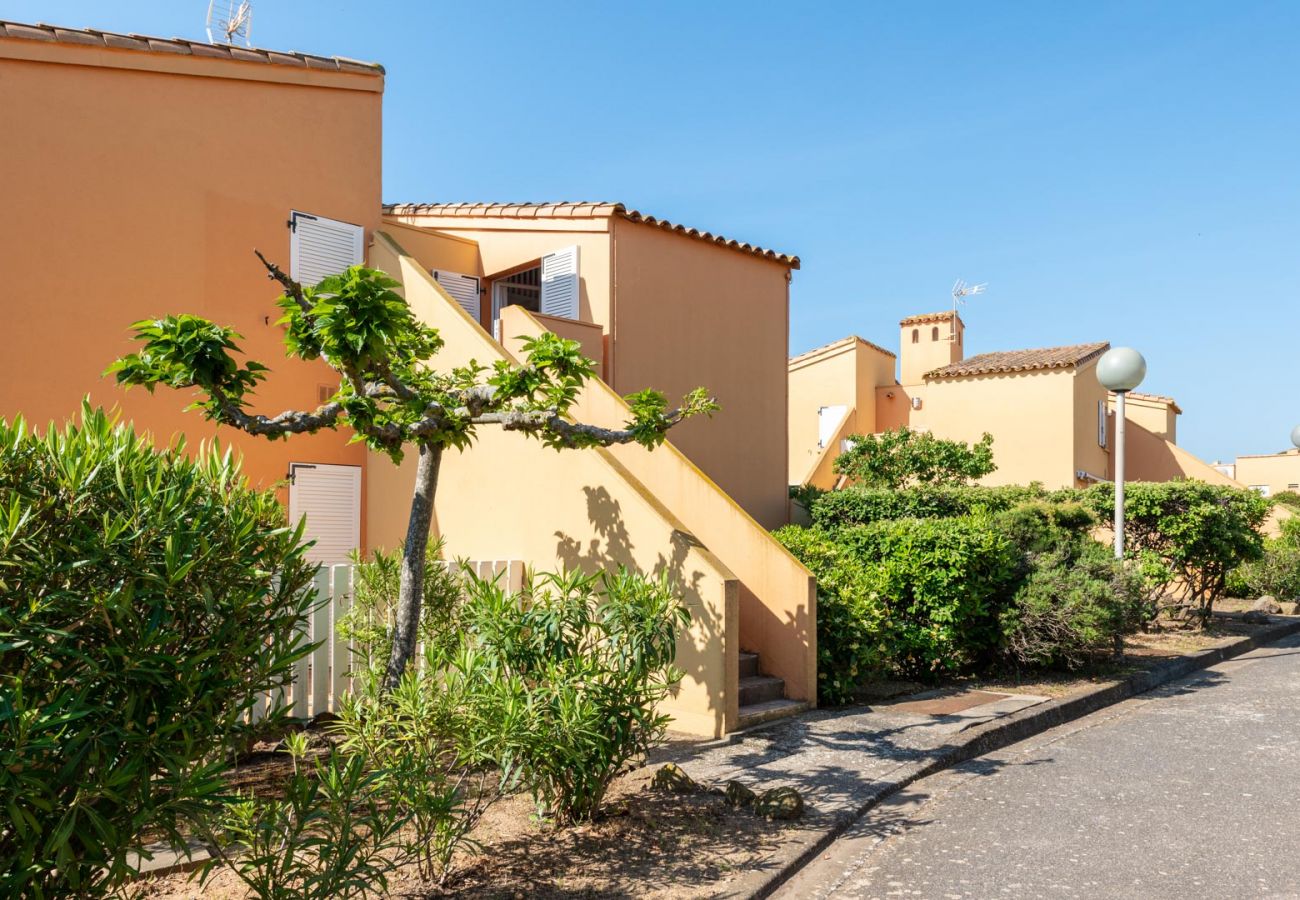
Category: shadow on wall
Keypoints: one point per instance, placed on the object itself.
(702, 641)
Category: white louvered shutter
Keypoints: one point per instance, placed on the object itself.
(560, 283)
(828, 420)
(319, 247)
(461, 288)
(330, 499)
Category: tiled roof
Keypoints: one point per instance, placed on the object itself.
(578, 210)
(834, 345)
(928, 317)
(93, 38)
(1155, 398)
(1022, 360)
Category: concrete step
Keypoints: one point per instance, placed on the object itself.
(748, 664)
(760, 713)
(760, 689)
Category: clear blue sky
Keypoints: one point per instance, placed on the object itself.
(1115, 171)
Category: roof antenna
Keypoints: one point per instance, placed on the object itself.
(231, 20)
(961, 290)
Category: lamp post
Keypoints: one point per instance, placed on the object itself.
(1295, 436)
(1120, 370)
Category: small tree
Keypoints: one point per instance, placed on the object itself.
(389, 396)
(901, 458)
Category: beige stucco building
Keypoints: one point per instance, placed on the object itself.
(1267, 473)
(1051, 420)
(151, 168)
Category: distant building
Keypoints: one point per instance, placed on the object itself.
(1050, 418)
(1269, 473)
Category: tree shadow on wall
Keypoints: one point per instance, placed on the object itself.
(698, 648)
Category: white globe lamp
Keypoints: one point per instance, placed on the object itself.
(1120, 370)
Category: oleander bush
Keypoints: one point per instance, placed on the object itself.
(146, 597)
(1277, 571)
(577, 666)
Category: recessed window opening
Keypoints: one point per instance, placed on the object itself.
(934, 333)
(520, 289)
(916, 335)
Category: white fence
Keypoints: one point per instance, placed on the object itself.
(321, 678)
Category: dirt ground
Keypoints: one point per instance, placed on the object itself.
(668, 846)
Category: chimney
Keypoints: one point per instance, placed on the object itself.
(928, 342)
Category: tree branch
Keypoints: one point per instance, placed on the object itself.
(291, 287)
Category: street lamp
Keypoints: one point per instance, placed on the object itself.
(1120, 370)
(1295, 435)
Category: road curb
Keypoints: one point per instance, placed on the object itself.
(1000, 733)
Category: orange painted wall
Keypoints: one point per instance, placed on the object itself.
(137, 184)
(689, 313)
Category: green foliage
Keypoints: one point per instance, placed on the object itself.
(1039, 526)
(375, 585)
(913, 597)
(853, 635)
(1186, 536)
(1075, 606)
(578, 664)
(1277, 571)
(147, 599)
(387, 394)
(896, 459)
(863, 506)
(1289, 499)
(328, 836)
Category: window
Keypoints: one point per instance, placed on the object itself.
(916, 335)
(1293, 487)
(934, 333)
(319, 247)
(550, 287)
(828, 422)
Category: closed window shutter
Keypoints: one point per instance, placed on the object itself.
(461, 288)
(560, 283)
(329, 497)
(319, 247)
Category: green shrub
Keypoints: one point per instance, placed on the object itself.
(1289, 499)
(579, 665)
(368, 622)
(1076, 605)
(863, 506)
(329, 836)
(901, 457)
(852, 616)
(915, 597)
(1039, 526)
(147, 597)
(1277, 571)
(1186, 536)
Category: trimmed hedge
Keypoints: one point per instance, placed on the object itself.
(864, 506)
(912, 597)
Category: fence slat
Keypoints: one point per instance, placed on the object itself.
(301, 700)
(341, 657)
(320, 657)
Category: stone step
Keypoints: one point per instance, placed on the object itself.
(748, 664)
(760, 713)
(760, 689)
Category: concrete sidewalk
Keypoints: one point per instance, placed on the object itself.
(844, 762)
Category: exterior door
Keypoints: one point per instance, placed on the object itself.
(329, 498)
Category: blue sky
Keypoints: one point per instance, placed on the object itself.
(1115, 171)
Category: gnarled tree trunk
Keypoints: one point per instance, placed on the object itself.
(410, 596)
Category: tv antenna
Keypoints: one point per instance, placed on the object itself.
(230, 21)
(961, 290)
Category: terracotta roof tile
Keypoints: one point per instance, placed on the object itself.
(580, 210)
(1156, 398)
(928, 317)
(833, 345)
(180, 46)
(1022, 360)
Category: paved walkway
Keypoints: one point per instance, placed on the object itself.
(1190, 791)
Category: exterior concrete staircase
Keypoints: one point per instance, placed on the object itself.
(762, 697)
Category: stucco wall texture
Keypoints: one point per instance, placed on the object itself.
(137, 184)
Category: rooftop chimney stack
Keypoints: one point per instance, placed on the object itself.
(928, 342)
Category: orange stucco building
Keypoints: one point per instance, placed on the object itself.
(149, 171)
(1051, 420)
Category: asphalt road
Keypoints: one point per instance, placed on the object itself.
(1189, 791)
